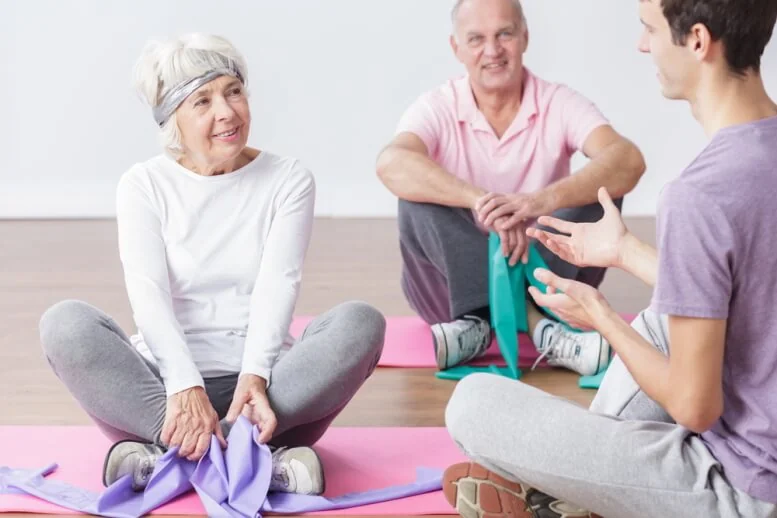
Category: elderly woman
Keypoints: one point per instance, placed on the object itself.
(212, 239)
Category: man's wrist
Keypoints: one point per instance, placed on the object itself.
(626, 249)
(473, 196)
(544, 203)
(604, 318)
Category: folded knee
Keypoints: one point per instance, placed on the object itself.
(63, 325)
(466, 411)
(368, 324)
(405, 216)
(406, 207)
(410, 212)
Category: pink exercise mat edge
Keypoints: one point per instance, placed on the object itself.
(355, 459)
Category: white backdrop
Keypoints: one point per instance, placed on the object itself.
(329, 80)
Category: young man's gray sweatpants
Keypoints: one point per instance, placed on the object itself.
(124, 394)
(622, 458)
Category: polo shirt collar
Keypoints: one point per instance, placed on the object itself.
(467, 109)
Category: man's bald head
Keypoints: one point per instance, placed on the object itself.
(515, 3)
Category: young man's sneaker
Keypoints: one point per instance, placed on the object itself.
(460, 341)
(297, 470)
(586, 353)
(476, 492)
(131, 458)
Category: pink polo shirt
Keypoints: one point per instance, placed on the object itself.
(552, 124)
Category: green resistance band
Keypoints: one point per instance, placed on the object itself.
(507, 292)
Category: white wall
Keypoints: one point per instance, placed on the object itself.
(329, 81)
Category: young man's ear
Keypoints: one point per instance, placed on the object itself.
(700, 41)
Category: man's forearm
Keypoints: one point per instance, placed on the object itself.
(639, 259)
(618, 167)
(414, 177)
(681, 386)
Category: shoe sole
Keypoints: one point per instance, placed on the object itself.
(440, 347)
(476, 492)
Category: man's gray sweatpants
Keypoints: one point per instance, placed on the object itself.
(124, 394)
(622, 458)
(445, 258)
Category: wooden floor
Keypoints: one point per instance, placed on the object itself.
(42, 262)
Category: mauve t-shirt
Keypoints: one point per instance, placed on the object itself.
(717, 242)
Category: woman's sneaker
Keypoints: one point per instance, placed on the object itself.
(294, 470)
(131, 458)
(297, 470)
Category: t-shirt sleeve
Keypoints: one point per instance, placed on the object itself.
(579, 117)
(423, 119)
(695, 247)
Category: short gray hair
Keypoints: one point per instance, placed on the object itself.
(164, 64)
(516, 4)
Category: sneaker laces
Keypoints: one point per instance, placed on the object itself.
(472, 339)
(562, 346)
(147, 467)
(279, 473)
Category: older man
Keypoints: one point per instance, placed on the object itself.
(492, 151)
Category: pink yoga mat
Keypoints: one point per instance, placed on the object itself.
(355, 459)
(409, 344)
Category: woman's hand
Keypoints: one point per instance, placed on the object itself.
(190, 421)
(250, 399)
(588, 244)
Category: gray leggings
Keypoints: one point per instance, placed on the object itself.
(623, 458)
(124, 394)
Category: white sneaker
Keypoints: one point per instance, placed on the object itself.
(586, 353)
(131, 458)
(460, 341)
(297, 470)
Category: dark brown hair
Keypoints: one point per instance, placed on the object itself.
(744, 26)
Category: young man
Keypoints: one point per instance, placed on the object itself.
(491, 151)
(685, 423)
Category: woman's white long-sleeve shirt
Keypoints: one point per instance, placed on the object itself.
(213, 264)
